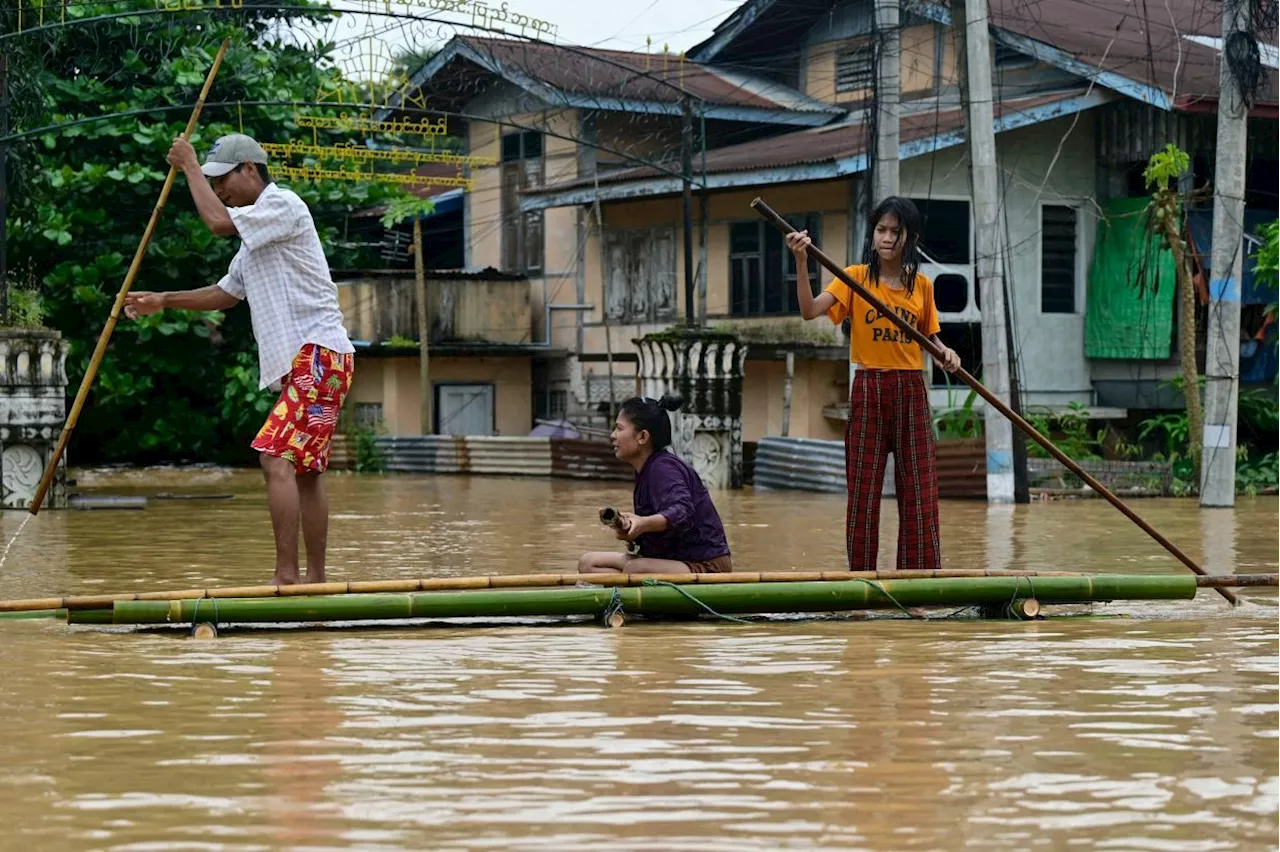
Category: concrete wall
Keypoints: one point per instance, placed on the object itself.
(828, 198)
(918, 55)
(816, 385)
(1051, 346)
(393, 382)
(483, 214)
(375, 309)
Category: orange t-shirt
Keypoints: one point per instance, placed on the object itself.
(874, 341)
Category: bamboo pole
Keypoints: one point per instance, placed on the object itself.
(91, 373)
(1026, 608)
(30, 614)
(533, 581)
(738, 599)
(612, 518)
(509, 581)
(928, 345)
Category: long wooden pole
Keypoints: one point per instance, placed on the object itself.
(533, 581)
(911, 331)
(91, 373)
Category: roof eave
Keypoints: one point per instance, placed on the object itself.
(1058, 58)
(560, 98)
(803, 172)
(746, 15)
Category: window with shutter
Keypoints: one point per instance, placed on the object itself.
(1058, 259)
(855, 69)
(640, 275)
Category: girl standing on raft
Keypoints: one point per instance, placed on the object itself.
(674, 521)
(889, 408)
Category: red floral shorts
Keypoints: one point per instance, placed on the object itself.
(300, 426)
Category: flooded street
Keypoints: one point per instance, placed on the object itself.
(1154, 728)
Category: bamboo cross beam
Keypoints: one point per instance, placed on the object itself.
(533, 581)
(91, 373)
(928, 345)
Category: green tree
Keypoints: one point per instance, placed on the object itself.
(1268, 259)
(82, 194)
(1161, 174)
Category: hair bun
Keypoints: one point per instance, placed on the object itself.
(671, 401)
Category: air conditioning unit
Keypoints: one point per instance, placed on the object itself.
(954, 291)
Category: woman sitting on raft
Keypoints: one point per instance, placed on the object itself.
(674, 522)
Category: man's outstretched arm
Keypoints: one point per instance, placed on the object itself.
(212, 298)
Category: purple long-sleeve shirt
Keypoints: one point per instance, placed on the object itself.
(667, 486)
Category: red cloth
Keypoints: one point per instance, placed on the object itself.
(889, 412)
(300, 427)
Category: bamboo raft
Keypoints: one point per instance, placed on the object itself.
(1016, 594)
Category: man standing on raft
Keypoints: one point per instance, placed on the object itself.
(303, 348)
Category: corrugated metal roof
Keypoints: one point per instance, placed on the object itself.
(637, 76)
(1143, 42)
(816, 145)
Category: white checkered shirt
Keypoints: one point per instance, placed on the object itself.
(282, 271)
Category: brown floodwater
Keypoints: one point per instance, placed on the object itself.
(1154, 728)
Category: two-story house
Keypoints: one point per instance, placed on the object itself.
(586, 199)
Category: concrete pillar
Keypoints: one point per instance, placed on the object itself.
(33, 408)
(706, 369)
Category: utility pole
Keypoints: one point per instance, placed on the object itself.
(888, 92)
(425, 390)
(972, 21)
(4, 188)
(1222, 356)
(686, 170)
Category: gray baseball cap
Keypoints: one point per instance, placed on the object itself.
(229, 152)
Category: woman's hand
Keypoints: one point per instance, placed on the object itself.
(628, 529)
(634, 526)
(950, 360)
(799, 242)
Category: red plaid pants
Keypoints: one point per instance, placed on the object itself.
(889, 413)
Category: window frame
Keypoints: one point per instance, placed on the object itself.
(1077, 297)
(516, 226)
(629, 238)
(813, 221)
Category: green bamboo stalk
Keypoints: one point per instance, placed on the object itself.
(89, 616)
(664, 600)
(33, 613)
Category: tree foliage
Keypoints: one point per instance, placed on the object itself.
(178, 385)
(1268, 256)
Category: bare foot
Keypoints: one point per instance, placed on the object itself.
(279, 579)
(315, 578)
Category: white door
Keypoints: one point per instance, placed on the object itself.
(465, 410)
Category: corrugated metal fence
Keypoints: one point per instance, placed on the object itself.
(806, 464)
(501, 456)
(803, 464)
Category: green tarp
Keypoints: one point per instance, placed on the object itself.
(1129, 311)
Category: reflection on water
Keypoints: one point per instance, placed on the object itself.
(1153, 731)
